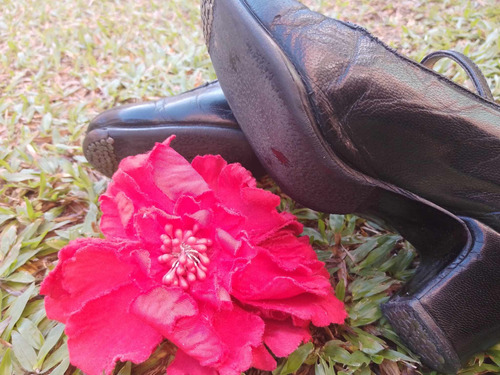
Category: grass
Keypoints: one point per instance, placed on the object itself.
(62, 62)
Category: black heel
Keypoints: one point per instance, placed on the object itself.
(454, 315)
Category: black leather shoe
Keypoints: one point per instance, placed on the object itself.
(345, 124)
(201, 120)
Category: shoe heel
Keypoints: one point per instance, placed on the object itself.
(456, 313)
(420, 332)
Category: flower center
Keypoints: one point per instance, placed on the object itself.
(186, 256)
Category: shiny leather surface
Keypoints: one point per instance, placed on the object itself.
(201, 120)
(389, 117)
(203, 105)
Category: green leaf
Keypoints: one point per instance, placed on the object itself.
(391, 335)
(6, 364)
(30, 333)
(4, 323)
(366, 310)
(381, 253)
(313, 234)
(42, 185)
(9, 236)
(333, 351)
(350, 225)
(336, 223)
(362, 251)
(90, 218)
(50, 341)
(61, 369)
(296, 359)
(16, 310)
(29, 209)
(126, 369)
(378, 359)
(306, 214)
(365, 370)
(323, 368)
(46, 122)
(21, 277)
(362, 287)
(367, 343)
(340, 290)
(6, 217)
(395, 356)
(56, 357)
(23, 351)
(359, 358)
(19, 176)
(399, 264)
(322, 228)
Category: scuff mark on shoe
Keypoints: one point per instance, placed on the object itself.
(281, 158)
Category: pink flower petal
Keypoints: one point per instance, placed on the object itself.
(262, 360)
(186, 205)
(93, 270)
(149, 225)
(111, 224)
(250, 331)
(163, 307)
(263, 220)
(125, 208)
(104, 332)
(291, 253)
(123, 197)
(133, 163)
(228, 220)
(233, 177)
(215, 290)
(140, 169)
(282, 338)
(209, 167)
(173, 174)
(262, 278)
(123, 182)
(227, 242)
(322, 311)
(196, 337)
(183, 364)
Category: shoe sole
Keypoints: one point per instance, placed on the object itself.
(272, 106)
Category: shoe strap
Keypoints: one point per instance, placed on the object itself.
(474, 73)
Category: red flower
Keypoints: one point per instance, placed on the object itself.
(196, 254)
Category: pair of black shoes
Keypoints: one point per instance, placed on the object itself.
(346, 125)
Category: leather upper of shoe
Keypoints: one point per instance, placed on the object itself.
(389, 117)
(201, 120)
(204, 105)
